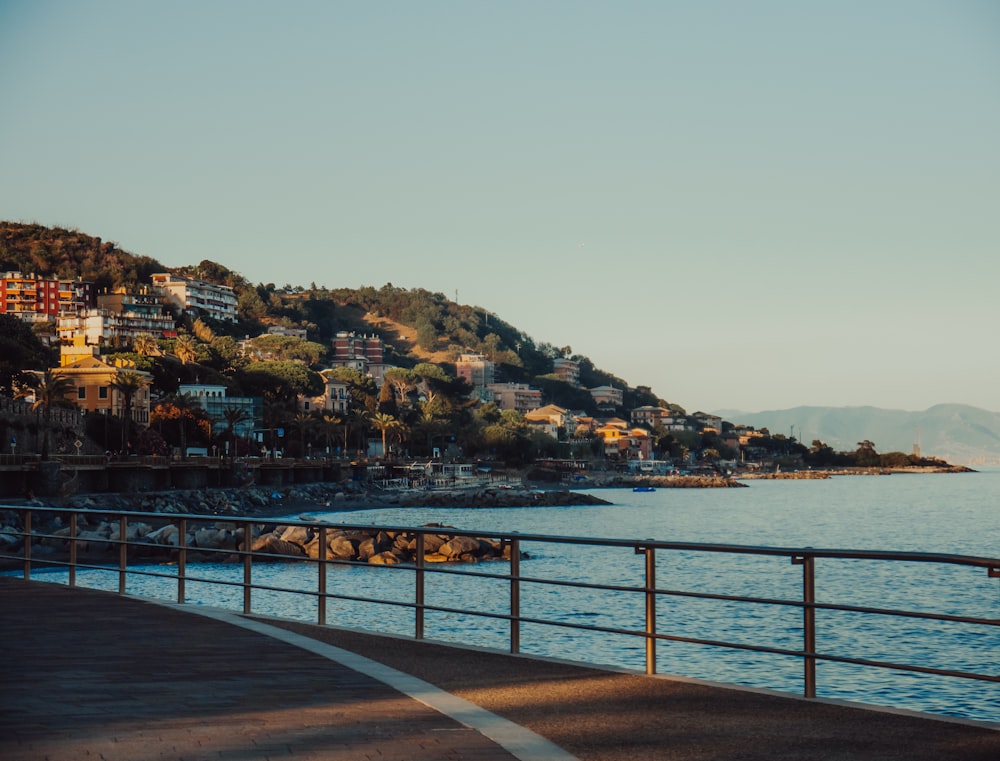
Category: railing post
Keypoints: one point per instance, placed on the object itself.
(247, 565)
(808, 564)
(72, 548)
(650, 592)
(181, 560)
(321, 585)
(515, 595)
(27, 545)
(418, 596)
(122, 553)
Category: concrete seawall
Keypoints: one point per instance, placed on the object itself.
(55, 478)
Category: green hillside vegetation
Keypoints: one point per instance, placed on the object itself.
(30, 248)
(422, 407)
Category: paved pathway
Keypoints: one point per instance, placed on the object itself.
(92, 675)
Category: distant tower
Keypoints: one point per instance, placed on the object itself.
(916, 445)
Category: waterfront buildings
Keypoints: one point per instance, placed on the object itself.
(94, 391)
(214, 399)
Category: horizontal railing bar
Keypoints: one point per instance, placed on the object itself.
(929, 616)
(795, 552)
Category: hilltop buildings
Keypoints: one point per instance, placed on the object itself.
(35, 299)
(197, 296)
(86, 323)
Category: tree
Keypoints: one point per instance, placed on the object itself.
(20, 349)
(183, 412)
(50, 389)
(357, 421)
(128, 383)
(402, 380)
(286, 348)
(385, 424)
(235, 417)
(387, 400)
(303, 424)
(328, 425)
(145, 345)
(866, 456)
(202, 331)
(186, 348)
(280, 380)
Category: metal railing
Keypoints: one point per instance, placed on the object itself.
(125, 553)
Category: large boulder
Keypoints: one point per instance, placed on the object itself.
(384, 558)
(269, 544)
(462, 547)
(167, 535)
(300, 535)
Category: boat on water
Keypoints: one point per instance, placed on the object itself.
(643, 488)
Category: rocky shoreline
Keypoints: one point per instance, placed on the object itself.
(276, 534)
(255, 501)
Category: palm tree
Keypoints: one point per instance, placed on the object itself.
(328, 424)
(235, 416)
(277, 413)
(186, 349)
(128, 383)
(385, 424)
(356, 420)
(51, 389)
(431, 421)
(145, 345)
(302, 423)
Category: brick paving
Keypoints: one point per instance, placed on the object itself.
(92, 675)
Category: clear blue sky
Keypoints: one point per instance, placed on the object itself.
(750, 205)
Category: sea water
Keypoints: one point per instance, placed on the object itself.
(938, 513)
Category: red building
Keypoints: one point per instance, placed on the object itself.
(36, 298)
(350, 346)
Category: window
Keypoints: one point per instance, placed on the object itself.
(81, 392)
(102, 392)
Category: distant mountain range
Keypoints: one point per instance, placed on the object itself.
(958, 433)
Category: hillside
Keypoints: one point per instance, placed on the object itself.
(954, 432)
(423, 326)
(70, 254)
(417, 325)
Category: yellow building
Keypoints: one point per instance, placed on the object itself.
(94, 392)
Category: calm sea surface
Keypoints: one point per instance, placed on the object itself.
(955, 513)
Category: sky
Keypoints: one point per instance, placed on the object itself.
(744, 205)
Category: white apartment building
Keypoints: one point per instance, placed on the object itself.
(211, 300)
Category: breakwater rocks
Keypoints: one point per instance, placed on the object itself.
(378, 547)
(98, 540)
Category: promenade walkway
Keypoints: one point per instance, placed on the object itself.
(93, 675)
